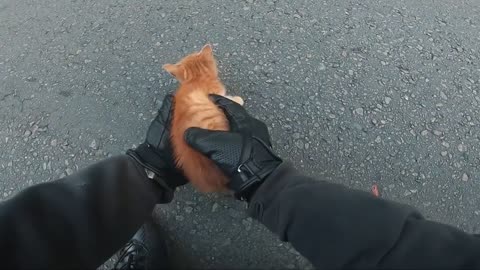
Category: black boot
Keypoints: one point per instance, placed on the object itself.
(146, 250)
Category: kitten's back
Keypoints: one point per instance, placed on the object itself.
(198, 77)
(193, 108)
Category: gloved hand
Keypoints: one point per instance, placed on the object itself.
(155, 154)
(244, 153)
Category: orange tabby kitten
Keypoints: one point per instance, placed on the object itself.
(198, 77)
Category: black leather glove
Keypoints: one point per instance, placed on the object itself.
(244, 153)
(155, 154)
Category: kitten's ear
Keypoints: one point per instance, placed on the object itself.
(178, 71)
(207, 49)
(171, 68)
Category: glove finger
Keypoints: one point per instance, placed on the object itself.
(223, 147)
(260, 130)
(160, 126)
(237, 115)
(201, 139)
(241, 121)
(165, 111)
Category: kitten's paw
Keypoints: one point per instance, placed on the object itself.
(237, 99)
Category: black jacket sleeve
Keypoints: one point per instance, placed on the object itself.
(337, 227)
(78, 221)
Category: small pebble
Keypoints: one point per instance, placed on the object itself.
(462, 148)
(94, 145)
(465, 177)
(214, 207)
(387, 100)
(299, 144)
(359, 111)
(227, 242)
(247, 223)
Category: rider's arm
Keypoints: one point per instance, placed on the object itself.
(78, 221)
(337, 227)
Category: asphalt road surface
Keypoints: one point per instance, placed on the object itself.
(356, 92)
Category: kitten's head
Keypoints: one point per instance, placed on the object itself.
(197, 65)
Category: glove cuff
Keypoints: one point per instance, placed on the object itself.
(166, 190)
(252, 172)
(151, 160)
(146, 156)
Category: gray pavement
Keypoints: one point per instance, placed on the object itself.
(354, 92)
